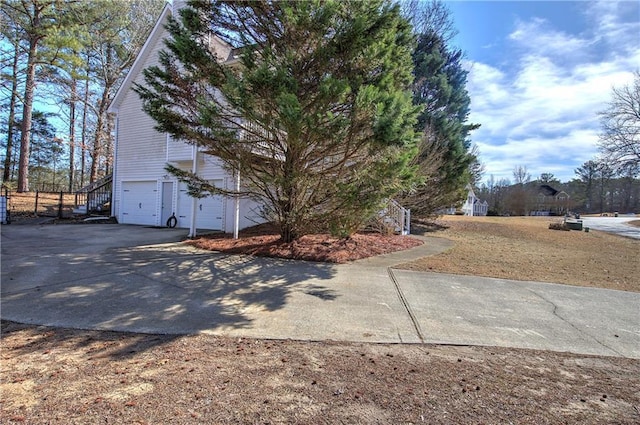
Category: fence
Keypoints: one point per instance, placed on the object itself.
(4, 216)
(39, 204)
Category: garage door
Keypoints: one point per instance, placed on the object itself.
(139, 200)
(209, 210)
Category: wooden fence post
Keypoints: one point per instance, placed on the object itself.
(60, 204)
(36, 210)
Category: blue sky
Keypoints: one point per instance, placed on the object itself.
(539, 71)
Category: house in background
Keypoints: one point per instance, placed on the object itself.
(550, 201)
(144, 192)
(474, 206)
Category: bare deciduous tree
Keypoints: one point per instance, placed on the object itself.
(620, 137)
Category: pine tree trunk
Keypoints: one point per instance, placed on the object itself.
(6, 174)
(83, 142)
(72, 133)
(288, 230)
(100, 134)
(25, 137)
(108, 156)
(287, 233)
(96, 151)
(103, 126)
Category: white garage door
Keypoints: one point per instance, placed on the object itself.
(209, 210)
(139, 200)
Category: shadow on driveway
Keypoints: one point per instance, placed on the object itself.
(105, 277)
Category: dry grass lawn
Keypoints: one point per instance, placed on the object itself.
(31, 204)
(523, 248)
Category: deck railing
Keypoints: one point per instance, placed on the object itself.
(398, 217)
(94, 196)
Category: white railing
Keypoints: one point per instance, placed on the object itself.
(397, 216)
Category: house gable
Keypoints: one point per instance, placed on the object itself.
(157, 34)
(143, 191)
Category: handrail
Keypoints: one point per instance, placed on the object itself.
(96, 194)
(96, 184)
(400, 216)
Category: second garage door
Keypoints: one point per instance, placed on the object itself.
(139, 201)
(209, 212)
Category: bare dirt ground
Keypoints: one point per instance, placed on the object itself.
(524, 248)
(62, 376)
(58, 376)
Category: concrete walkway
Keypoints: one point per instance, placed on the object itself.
(131, 278)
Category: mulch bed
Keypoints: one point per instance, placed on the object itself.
(263, 240)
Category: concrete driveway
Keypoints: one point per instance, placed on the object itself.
(131, 278)
(616, 225)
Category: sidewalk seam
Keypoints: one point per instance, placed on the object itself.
(406, 305)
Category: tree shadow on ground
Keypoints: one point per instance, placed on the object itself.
(425, 226)
(89, 343)
(156, 289)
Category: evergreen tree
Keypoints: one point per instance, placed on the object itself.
(439, 87)
(117, 31)
(45, 147)
(588, 174)
(11, 58)
(317, 118)
(46, 27)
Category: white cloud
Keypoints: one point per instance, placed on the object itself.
(617, 23)
(540, 107)
(536, 34)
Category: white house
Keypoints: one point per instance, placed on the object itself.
(143, 191)
(473, 206)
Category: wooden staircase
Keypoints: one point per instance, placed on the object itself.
(93, 197)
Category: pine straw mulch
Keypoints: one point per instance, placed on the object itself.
(263, 240)
(64, 376)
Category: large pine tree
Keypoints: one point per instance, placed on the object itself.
(318, 118)
(446, 160)
(46, 28)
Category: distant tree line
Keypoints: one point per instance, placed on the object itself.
(608, 183)
(597, 189)
(61, 62)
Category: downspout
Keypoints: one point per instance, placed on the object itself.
(194, 205)
(236, 223)
(114, 180)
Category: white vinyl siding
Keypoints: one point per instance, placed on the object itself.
(178, 151)
(142, 154)
(141, 150)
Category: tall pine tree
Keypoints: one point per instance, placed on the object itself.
(317, 117)
(47, 28)
(446, 160)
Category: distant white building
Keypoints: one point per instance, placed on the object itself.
(474, 206)
(471, 206)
